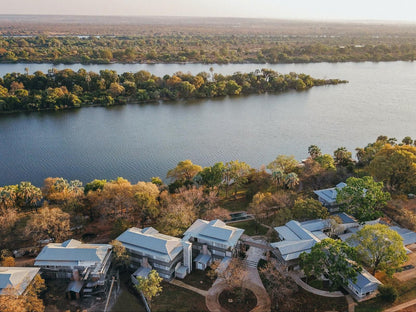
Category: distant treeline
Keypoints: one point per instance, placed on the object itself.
(67, 88)
(203, 48)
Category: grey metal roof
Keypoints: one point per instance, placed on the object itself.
(152, 243)
(201, 258)
(345, 217)
(366, 282)
(409, 237)
(330, 194)
(16, 278)
(216, 231)
(315, 225)
(288, 247)
(73, 252)
(142, 272)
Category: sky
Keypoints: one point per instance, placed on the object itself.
(388, 10)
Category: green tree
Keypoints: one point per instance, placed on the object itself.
(407, 140)
(157, 181)
(28, 195)
(284, 163)
(343, 157)
(314, 151)
(94, 186)
(379, 247)
(326, 161)
(212, 176)
(363, 198)
(396, 167)
(291, 180)
(150, 286)
(333, 258)
(309, 208)
(235, 173)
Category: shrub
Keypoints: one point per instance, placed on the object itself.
(388, 293)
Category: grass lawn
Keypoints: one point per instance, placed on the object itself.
(235, 203)
(407, 292)
(250, 227)
(198, 279)
(178, 299)
(310, 303)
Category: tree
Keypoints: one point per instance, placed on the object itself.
(407, 140)
(363, 198)
(120, 257)
(234, 274)
(314, 151)
(150, 286)
(8, 262)
(332, 258)
(115, 89)
(343, 157)
(184, 171)
(146, 194)
(291, 180)
(176, 218)
(379, 247)
(396, 167)
(280, 286)
(307, 209)
(388, 293)
(235, 172)
(326, 161)
(48, 223)
(157, 181)
(284, 163)
(28, 195)
(212, 176)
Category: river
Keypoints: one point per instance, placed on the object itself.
(138, 141)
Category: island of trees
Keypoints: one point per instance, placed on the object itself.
(67, 88)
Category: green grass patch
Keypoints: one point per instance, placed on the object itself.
(251, 227)
(178, 299)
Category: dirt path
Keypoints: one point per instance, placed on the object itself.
(401, 306)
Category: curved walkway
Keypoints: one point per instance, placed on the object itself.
(251, 281)
(401, 306)
(319, 292)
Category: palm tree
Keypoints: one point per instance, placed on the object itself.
(278, 176)
(291, 180)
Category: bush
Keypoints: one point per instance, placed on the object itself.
(388, 293)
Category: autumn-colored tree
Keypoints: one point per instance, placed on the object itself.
(59, 189)
(146, 194)
(28, 195)
(184, 171)
(48, 223)
(216, 213)
(176, 217)
(8, 262)
(120, 257)
(150, 286)
(280, 286)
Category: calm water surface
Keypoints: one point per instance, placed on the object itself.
(140, 141)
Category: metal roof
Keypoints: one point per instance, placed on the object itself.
(201, 258)
(75, 286)
(72, 251)
(366, 281)
(315, 225)
(409, 237)
(330, 194)
(345, 218)
(215, 231)
(152, 243)
(16, 278)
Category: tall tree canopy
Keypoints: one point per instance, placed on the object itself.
(184, 171)
(396, 167)
(333, 258)
(363, 198)
(379, 247)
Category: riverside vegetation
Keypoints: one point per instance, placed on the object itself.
(101, 210)
(61, 89)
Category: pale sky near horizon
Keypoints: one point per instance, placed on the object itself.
(398, 10)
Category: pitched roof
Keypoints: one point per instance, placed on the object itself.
(16, 278)
(215, 231)
(297, 238)
(330, 194)
(150, 242)
(365, 281)
(345, 218)
(72, 252)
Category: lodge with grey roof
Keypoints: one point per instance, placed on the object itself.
(168, 255)
(15, 280)
(74, 260)
(212, 240)
(328, 197)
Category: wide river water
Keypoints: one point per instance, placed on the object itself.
(138, 141)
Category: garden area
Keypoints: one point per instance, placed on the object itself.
(251, 227)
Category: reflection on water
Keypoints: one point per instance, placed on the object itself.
(138, 141)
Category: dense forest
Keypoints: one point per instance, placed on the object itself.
(202, 48)
(66, 88)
